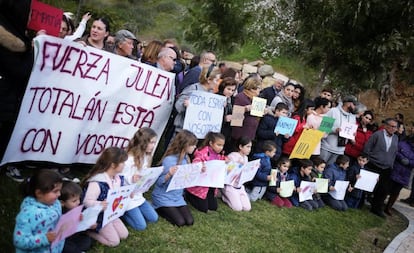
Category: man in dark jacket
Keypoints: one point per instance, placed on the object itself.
(381, 149)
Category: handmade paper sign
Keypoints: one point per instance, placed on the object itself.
(67, 224)
(306, 144)
(204, 113)
(326, 124)
(214, 174)
(286, 188)
(340, 190)
(258, 106)
(306, 190)
(348, 130)
(237, 116)
(148, 177)
(367, 181)
(273, 177)
(238, 174)
(286, 125)
(118, 200)
(89, 217)
(249, 171)
(189, 175)
(185, 176)
(321, 185)
(46, 17)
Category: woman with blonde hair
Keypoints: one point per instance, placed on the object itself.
(207, 82)
(151, 51)
(251, 88)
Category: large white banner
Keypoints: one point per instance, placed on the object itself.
(80, 100)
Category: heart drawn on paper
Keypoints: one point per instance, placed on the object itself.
(116, 203)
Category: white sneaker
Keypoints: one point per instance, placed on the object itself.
(14, 174)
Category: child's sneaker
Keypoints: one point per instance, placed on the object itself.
(14, 174)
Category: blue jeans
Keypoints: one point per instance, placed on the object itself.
(137, 217)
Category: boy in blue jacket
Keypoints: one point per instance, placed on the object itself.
(262, 177)
(302, 173)
(334, 172)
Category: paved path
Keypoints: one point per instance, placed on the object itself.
(404, 242)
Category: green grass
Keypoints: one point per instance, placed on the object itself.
(265, 228)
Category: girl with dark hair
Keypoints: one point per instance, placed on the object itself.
(298, 96)
(285, 96)
(201, 197)
(354, 147)
(39, 214)
(97, 36)
(227, 88)
(236, 197)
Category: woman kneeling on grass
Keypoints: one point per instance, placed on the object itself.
(171, 205)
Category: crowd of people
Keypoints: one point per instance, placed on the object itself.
(387, 149)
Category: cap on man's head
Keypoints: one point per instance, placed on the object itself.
(350, 98)
(121, 35)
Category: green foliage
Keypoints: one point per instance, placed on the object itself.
(355, 42)
(216, 25)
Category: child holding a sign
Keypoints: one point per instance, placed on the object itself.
(263, 176)
(317, 174)
(336, 172)
(201, 197)
(171, 205)
(300, 174)
(70, 198)
(273, 192)
(266, 131)
(101, 178)
(236, 197)
(39, 213)
(354, 196)
(139, 150)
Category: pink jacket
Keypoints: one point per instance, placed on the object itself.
(201, 155)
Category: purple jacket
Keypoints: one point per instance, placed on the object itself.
(250, 123)
(401, 173)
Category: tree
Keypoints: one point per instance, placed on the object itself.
(355, 41)
(217, 25)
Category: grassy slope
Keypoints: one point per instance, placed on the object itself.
(264, 229)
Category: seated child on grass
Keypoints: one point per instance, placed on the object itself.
(273, 192)
(262, 177)
(302, 173)
(334, 172)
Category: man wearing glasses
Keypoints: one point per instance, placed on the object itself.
(381, 149)
(192, 76)
(166, 59)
